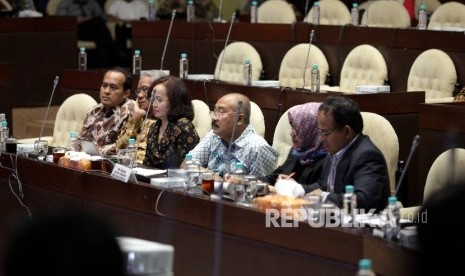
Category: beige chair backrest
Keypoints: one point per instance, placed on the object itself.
(383, 135)
(445, 171)
(231, 64)
(332, 12)
(202, 120)
(257, 120)
(291, 71)
(386, 14)
(70, 117)
(276, 11)
(364, 65)
(448, 16)
(433, 71)
(282, 141)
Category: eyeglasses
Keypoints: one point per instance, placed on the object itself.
(217, 114)
(159, 100)
(325, 132)
(143, 89)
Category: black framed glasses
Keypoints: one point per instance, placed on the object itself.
(325, 132)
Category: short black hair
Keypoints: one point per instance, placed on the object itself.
(344, 110)
(127, 76)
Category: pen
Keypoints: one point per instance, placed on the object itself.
(291, 175)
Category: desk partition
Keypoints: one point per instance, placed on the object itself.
(210, 237)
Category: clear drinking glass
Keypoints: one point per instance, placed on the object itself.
(41, 149)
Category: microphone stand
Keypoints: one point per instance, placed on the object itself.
(55, 83)
(226, 43)
(308, 55)
(414, 146)
(173, 15)
(236, 118)
(220, 8)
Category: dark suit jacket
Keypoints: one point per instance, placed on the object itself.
(303, 173)
(363, 166)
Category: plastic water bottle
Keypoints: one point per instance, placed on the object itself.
(239, 189)
(316, 13)
(136, 62)
(4, 133)
(392, 223)
(422, 18)
(315, 78)
(365, 268)
(132, 151)
(73, 143)
(82, 59)
(253, 12)
(183, 66)
(190, 10)
(354, 14)
(152, 11)
(247, 72)
(192, 171)
(349, 203)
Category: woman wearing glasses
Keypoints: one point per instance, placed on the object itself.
(173, 134)
(305, 160)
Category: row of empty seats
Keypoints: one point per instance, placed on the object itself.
(376, 13)
(433, 71)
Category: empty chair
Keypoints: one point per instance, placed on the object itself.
(295, 63)
(282, 140)
(383, 135)
(449, 16)
(332, 12)
(386, 14)
(276, 11)
(433, 72)
(70, 117)
(202, 119)
(257, 120)
(364, 65)
(446, 171)
(229, 66)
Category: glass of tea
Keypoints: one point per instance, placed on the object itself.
(58, 152)
(208, 181)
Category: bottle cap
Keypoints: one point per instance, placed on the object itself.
(239, 165)
(4, 123)
(392, 199)
(188, 156)
(151, 1)
(354, 5)
(316, 3)
(364, 264)
(315, 66)
(132, 141)
(83, 49)
(184, 55)
(254, 3)
(137, 52)
(422, 7)
(349, 189)
(247, 60)
(190, 2)
(72, 134)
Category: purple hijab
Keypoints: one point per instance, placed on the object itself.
(303, 119)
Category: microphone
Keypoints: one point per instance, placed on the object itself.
(173, 15)
(306, 10)
(142, 126)
(233, 17)
(415, 143)
(55, 83)
(366, 17)
(236, 118)
(308, 55)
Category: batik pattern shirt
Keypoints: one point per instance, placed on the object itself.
(251, 149)
(132, 129)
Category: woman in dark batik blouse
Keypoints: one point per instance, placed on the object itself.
(173, 134)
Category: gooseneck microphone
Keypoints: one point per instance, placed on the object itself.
(220, 9)
(306, 10)
(142, 127)
(233, 17)
(173, 15)
(55, 83)
(308, 55)
(415, 143)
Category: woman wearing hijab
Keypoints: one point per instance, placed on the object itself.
(305, 160)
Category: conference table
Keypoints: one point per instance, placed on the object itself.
(210, 236)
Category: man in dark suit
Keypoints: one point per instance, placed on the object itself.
(352, 158)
